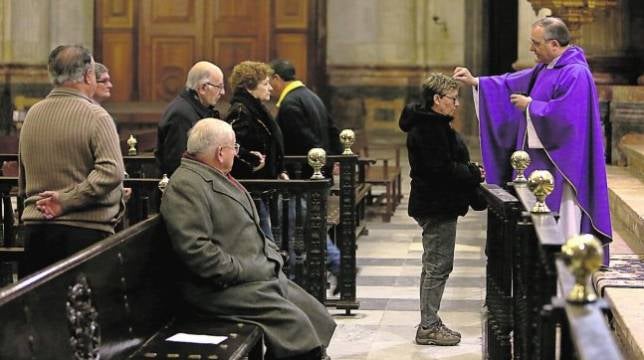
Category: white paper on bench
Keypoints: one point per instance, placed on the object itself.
(195, 338)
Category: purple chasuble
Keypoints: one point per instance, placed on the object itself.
(565, 114)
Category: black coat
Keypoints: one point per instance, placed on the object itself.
(442, 176)
(255, 130)
(172, 133)
(306, 124)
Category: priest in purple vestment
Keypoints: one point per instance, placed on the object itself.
(552, 112)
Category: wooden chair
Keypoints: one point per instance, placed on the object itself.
(381, 172)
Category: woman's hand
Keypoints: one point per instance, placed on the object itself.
(262, 160)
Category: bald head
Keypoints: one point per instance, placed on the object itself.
(212, 142)
(207, 134)
(201, 72)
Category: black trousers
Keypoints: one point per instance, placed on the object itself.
(48, 243)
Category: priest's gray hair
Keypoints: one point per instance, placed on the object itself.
(69, 63)
(554, 29)
(436, 83)
(199, 74)
(207, 135)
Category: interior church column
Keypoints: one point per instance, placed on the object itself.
(527, 17)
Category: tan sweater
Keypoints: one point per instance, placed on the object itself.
(69, 144)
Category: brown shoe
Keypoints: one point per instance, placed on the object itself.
(437, 334)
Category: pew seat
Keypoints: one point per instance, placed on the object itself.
(116, 299)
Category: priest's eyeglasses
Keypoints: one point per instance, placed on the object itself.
(454, 98)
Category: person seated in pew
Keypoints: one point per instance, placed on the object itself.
(234, 271)
(71, 167)
(261, 145)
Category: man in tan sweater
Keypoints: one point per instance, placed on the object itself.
(71, 167)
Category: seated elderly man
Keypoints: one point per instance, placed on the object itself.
(235, 272)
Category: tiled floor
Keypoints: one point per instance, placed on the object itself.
(388, 290)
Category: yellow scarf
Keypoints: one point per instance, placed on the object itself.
(290, 87)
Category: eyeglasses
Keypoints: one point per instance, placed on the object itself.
(220, 86)
(235, 147)
(454, 98)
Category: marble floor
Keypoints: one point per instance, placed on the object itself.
(388, 291)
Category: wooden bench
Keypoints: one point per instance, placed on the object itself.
(144, 202)
(116, 299)
(381, 172)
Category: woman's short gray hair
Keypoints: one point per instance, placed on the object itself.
(100, 69)
(208, 134)
(69, 63)
(436, 83)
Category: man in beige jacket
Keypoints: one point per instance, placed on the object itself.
(71, 167)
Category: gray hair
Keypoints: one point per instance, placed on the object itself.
(199, 74)
(207, 134)
(100, 69)
(69, 63)
(554, 29)
(436, 83)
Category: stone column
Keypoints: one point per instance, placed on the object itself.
(527, 17)
(71, 22)
(29, 24)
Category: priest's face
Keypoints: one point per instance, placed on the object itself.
(543, 49)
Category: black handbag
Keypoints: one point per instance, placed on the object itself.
(477, 199)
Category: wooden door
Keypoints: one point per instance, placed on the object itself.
(153, 43)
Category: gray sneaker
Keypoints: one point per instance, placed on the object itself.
(450, 330)
(437, 334)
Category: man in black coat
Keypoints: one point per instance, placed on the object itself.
(305, 124)
(204, 87)
(302, 116)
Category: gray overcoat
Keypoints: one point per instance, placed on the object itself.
(235, 270)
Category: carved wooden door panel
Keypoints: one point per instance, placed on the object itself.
(171, 34)
(150, 45)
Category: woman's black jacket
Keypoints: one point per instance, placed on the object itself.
(255, 130)
(442, 177)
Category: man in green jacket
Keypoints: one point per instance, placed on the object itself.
(234, 271)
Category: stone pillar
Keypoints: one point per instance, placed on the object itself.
(29, 23)
(527, 17)
(72, 22)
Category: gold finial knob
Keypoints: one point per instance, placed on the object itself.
(131, 142)
(583, 254)
(541, 183)
(163, 183)
(347, 138)
(520, 161)
(317, 159)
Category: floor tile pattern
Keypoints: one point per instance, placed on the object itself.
(388, 290)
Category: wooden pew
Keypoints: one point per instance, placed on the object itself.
(381, 172)
(345, 211)
(116, 299)
(145, 201)
(526, 282)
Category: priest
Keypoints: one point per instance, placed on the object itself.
(552, 112)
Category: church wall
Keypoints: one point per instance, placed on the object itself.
(378, 52)
(29, 30)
